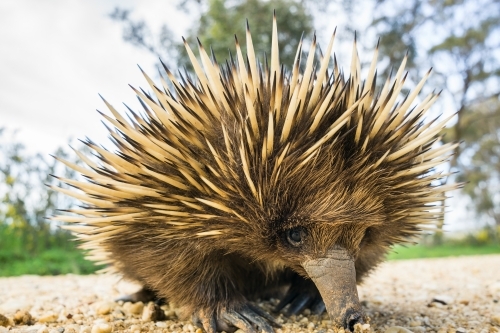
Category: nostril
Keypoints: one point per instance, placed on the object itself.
(352, 318)
(351, 324)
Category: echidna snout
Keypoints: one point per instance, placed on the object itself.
(335, 277)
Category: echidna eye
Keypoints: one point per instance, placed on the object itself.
(295, 236)
(366, 237)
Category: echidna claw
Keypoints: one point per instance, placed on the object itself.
(318, 307)
(233, 317)
(207, 321)
(301, 295)
(249, 318)
(144, 295)
(264, 314)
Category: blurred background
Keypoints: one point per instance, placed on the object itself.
(57, 55)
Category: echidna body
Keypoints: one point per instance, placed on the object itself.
(249, 178)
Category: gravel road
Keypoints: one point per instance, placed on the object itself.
(445, 295)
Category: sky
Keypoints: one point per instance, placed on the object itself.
(57, 56)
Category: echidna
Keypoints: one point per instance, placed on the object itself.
(248, 178)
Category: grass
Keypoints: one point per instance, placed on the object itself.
(49, 262)
(64, 261)
(445, 250)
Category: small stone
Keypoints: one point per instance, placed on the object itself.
(161, 324)
(326, 323)
(397, 329)
(43, 329)
(311, 326)
(418, 329)
(460, 330)
(134, 308)
(198, 330)
(104, 308)
(152, 312)
(170, 314)
(48, 318)
(188, 328)
(101, 328)
(119, 325)
(443, 299)
(85, 329)
(72, 329)
(495, 288)
(23, 318)
(304, 320)
(359, 328)
(4, 321)
(118, 314)
(495, 320)
(134, 328)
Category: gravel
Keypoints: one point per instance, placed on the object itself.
(447, 295)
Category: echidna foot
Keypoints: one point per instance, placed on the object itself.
(302, 294)
(144, 295)
(249, 318)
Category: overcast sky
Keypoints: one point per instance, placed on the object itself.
(56, 56)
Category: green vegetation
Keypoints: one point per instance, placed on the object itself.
(484, 241)
(29, 243)
(445, 250)
(221, 21)
(49, 262)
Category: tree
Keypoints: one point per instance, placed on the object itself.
(460, 38)
(481, 171)
(26, 201)
(219, 22)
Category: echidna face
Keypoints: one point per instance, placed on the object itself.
(306, 169)
(326, 253)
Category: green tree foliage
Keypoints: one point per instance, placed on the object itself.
(480, 168)
(29, 243)
(25, 201)
(219, 22)
(460, 38)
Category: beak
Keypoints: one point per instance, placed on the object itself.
(335, 277)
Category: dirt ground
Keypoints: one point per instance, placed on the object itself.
(459, 294)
